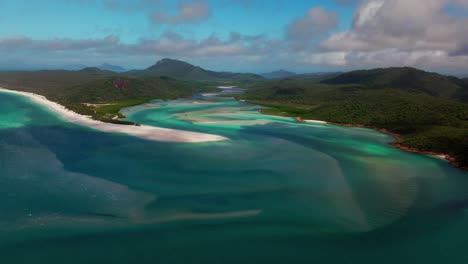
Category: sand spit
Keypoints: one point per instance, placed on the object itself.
(145, 132)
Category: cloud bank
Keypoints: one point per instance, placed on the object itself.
(383, 33)
(403, 32)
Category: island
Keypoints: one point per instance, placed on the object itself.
(425, 112)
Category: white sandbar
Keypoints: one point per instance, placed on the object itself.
(145, 132)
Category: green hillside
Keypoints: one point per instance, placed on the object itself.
(184, 71)
(101, 93)
(279, 74)
(429, 110)
(48, 81)
(429, 117)
(174, 69)
(407, 79)
(95, 92)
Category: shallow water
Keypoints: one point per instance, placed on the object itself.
(276, 192)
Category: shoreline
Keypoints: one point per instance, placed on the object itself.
(397, 139)
(143, 131)
(397, 144)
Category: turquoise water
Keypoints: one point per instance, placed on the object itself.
(276, 192)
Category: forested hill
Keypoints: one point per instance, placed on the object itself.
(278, 74)
(185, 71)
(90, 91)
(407, 79)
(427, 109)
(86, 90)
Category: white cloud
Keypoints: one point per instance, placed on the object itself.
(313, 25)
(420, 33)
(404, 32)
(368, 12)
(169, 44)
(187, 13)
(326, 58)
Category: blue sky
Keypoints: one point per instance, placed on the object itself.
(236, 35)
(84, 19)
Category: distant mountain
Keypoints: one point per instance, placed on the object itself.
(110, 67)
(96, 71)
(175, 69)
(278, 74)
(315, 76)
(68, 67)
(185, 71)
(404, 78)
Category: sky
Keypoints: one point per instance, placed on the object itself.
(236, 35)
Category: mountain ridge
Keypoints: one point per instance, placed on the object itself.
(178, 69)
(279, 74)
(403, 78)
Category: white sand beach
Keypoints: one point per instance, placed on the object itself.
(226, 87)
(315, 121)
(145, 132)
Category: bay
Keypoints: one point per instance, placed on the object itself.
(277, 191)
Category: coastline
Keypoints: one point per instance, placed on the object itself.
(396, 144)
(143, 131)
(397, 141)
(397, 137)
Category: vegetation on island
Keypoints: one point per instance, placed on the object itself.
(101, 94)
(428, 110)
(184, 71)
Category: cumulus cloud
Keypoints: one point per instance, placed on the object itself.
(168, 44)
(171, 44)
(236, 52)
(418, 33)
(326, 58)
(463, 3)
(313, 25)
(461, 50)
(24, 43)
(187, 13)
